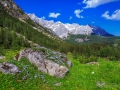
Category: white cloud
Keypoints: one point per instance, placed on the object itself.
(77, 13)
(43, 17)
(105, 15)
(70, 17)
(54, 15)
(114, 16)
(81, 16)
(95, 3)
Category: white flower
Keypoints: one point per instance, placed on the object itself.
(93, 72)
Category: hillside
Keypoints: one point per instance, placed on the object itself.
(27, 28)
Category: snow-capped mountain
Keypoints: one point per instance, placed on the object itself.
(63, 30)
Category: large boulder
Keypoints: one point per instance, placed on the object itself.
(9, 68)
(37, 58)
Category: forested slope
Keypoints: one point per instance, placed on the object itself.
(10, 24)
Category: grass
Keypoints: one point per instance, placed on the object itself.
(105, 76)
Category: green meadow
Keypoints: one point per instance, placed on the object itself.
(102, 76)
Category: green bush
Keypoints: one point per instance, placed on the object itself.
(85, 59)
(10, 54)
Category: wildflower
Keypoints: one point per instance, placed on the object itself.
(93, 72)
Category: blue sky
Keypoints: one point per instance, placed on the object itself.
(102, 13)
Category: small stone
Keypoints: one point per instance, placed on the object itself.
(57, 84)
(54, 52)
(8, 68)
(93, 63)
(69, 63)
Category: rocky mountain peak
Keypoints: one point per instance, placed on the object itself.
(14, 10)
(64, 29)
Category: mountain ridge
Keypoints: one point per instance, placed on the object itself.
(63, 29)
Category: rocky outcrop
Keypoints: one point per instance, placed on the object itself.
(8, 68)
(38, 58)
(13, 9)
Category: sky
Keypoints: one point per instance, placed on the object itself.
(102, 13)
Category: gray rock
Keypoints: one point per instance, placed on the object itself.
(37, 58)
(42, 47)
(8, 68)
(57, 84)
(93, 63)
(69, 63)
(54, 52)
